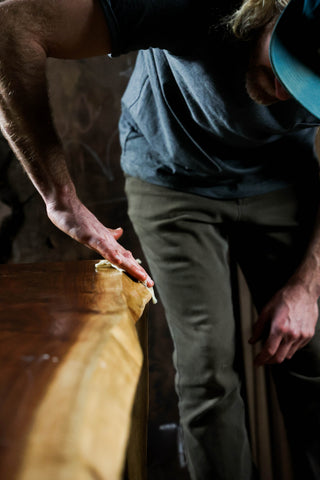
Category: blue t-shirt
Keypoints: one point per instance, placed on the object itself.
(187, 121)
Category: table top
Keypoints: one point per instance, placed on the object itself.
(70, 363)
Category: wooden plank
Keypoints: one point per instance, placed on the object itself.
(70, 363)
(137, 446)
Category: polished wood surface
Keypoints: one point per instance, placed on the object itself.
(70, 363)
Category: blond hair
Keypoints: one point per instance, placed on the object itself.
(254, 14)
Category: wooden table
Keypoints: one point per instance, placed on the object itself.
(70, 362)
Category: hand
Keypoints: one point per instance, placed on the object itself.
(290, 319)
(73, 218)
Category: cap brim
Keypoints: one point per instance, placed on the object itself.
(298, 74)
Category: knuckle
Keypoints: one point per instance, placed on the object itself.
(269, 351)
(294, 335)
(279, 330)
(99, 243)
(285, 331)
(114, 257)
(279, 358)
(307, 334)
(127, 254)
(311, 332)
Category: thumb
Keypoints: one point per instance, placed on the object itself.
(259, 328)
(117, 233)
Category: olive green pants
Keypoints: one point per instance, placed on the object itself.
(189, 242)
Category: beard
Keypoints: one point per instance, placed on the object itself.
(260, 85)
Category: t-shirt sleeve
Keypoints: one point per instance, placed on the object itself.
(140, 24)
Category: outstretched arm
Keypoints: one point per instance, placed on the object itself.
(31, 31)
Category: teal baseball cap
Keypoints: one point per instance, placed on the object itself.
(295, 52)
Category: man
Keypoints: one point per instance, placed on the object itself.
(220, 166)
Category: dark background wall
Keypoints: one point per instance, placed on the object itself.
(85, 97)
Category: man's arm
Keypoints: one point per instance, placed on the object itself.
(31, 31)
(292, 314)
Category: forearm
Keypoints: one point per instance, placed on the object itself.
(30, 31)
(307, 274)
(26, 119)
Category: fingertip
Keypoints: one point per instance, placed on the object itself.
(147, 280)
(143, 276)
(117, 232)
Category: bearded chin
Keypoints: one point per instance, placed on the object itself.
(256, 90)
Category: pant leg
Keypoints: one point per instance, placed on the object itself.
(269, 252)
(184, 239)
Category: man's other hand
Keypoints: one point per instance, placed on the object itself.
(286, 324)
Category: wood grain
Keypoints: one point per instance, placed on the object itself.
(70, 362)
